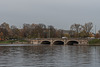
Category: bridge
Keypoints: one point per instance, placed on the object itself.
(59, 41)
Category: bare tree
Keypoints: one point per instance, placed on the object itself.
(88, 27)
(76, 28)
(51, 31)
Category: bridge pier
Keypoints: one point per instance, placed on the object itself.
(65, 42)
(51, 43)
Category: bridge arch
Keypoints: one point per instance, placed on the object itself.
(46, 42)
(58, 43)
(72, 42)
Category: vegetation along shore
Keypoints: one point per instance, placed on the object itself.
(13, 34)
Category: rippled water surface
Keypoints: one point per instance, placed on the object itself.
(49, 56)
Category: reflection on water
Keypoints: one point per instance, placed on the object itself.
(49, 56)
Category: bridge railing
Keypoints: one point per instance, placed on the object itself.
(59, 39)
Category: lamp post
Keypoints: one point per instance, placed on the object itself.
(49, 32)
(95, 29)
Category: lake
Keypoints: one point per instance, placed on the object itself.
(23, 55)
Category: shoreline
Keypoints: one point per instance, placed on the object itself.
(94, 42)
(49, 45)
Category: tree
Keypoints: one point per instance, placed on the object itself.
(26, 30)
(15, 32)
(5, 29)
(1, 36)
(83, 34)
(5, 32)
(51, 31)
(67, 35)
(77, 28)
(88, 27)
(99, 31)
(97, 35)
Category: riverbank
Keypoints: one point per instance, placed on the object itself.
(14, 42)
(95, 42)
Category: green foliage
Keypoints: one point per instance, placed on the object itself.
(94, 41)
(83, 34)
(12, 41)
(6, 42)
(23, 41)
(67, 35)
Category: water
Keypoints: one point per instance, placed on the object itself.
(49, 56)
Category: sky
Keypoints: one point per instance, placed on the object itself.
(59, 13)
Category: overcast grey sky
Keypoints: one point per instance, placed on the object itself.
(59, 13)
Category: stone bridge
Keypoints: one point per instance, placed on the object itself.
(59, 41)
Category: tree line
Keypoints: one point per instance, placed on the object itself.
(42, 31)
(82, 30)
(29, 31)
